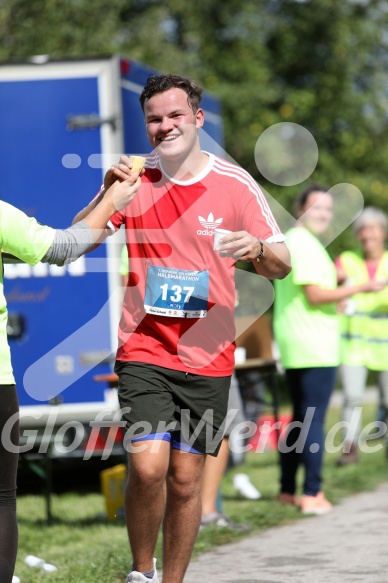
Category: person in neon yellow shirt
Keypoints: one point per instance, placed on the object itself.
(25, 238)
(306, 326)
(364, 324)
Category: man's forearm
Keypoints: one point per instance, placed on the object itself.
(83, 236)
(275, 262)
(88, 209)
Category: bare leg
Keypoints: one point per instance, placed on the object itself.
(353, 383)
(214, 471)
(145, 498)
(183, 513)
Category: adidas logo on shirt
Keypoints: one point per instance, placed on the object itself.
(210, 224)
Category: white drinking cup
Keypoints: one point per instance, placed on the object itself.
(218, 234)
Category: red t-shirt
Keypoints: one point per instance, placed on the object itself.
(171, 224)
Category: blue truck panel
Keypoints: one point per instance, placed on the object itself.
(34, 140)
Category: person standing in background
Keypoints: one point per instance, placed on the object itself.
(306, 326)
(364, 325)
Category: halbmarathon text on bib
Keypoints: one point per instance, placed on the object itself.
(177, 293)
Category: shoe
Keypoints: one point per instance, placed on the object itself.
(315, 504)
(290, 499)
(15, 579)
(136, 577)
(350, 456)
(245, 487)
(222, 521)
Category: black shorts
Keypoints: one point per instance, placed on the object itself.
(185, 409)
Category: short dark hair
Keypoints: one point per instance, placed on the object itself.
(302, 199)
(161, 83)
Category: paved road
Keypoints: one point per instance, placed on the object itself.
(349, 545)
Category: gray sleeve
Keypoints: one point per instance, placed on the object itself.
(70, 244)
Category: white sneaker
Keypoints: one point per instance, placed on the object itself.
(49, 568)
(33, 561)
(136, 577)
(15, 579)
(245, 487)
(222, 521)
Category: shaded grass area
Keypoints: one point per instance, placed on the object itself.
(86, 548)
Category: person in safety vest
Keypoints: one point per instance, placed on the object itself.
(364, 326)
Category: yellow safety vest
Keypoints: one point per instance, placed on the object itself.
(364, 333)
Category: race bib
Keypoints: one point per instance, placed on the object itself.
(176, 293)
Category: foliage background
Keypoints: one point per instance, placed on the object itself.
(318, 63)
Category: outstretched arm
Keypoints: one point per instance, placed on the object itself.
(84, 236)
(116, 173)
(88, 209)
(317, 295)
(117, 197)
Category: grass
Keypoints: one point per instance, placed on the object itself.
(87, 548)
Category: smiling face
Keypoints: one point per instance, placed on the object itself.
(372, 237)
(172, 126)
(317, 212)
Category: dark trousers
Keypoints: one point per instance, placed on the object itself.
(309, 388)
(8, 468)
